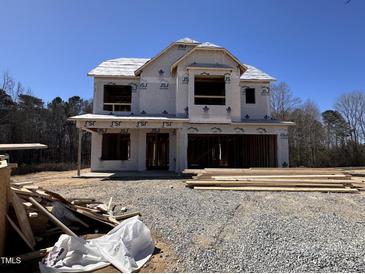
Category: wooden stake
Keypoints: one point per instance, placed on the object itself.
(20, 233)
(52, 218)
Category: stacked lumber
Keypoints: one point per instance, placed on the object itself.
(36, 213)
(274, 179)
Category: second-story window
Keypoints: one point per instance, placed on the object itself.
(250, 96)
(117, 98)
(209, 90)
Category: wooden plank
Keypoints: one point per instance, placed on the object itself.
(309, 181)
(22, 218)
(281, 177)
(52, 218)
(252, 183)
(98, 218)
(127, 215)
(28, 193)
(30, 245)
(284, 189)
(3, 157)
(20, 184)
(56, 196)
(22, 146)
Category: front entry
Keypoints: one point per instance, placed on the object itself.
(157, 151)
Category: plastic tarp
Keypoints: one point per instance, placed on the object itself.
(127, 246)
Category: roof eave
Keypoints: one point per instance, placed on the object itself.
(113, 76)
(258, 80)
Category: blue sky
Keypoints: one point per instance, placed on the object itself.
(317, 47)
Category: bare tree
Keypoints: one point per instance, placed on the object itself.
(282, 101)
(352, 106)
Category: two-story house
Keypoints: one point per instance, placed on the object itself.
(193, 105)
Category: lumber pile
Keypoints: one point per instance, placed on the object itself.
(274, 179)
(38, 215)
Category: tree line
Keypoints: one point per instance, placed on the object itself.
(25, 118)
(335, 137)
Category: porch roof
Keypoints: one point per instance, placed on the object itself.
(265, 122)
(110, 117)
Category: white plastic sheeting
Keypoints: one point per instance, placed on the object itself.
(127, 246)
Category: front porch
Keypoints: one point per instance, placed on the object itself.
(140, 143)
(132, 144)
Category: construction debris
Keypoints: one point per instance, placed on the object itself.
(275, 179)
(127, 247)
(40, 216)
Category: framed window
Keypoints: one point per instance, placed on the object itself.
(116, 146)
(209, 90)
(250, 96)
(117, 98)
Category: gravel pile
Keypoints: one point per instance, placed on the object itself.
(218, 231)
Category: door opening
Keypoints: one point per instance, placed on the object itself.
(157, 151)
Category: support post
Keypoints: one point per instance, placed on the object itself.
(79, 153)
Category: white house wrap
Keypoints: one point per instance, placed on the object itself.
(193, 105)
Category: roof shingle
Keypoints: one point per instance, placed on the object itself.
(118, 67)
(125, 67)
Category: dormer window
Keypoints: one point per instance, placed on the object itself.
(117, 98)
(209, 90)
(250, 96)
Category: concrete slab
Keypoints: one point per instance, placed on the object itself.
(131, 174)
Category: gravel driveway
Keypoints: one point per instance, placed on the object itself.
(218, 231)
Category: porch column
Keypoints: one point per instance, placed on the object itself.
(177, 155)
(283, 149)
(79, 153)
(141, 150)
(182, 149)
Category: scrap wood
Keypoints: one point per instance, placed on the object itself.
(20, 184)
(288, 189)
(26, 192)
(97, 217)
(83, 201)
(22, 217)
(92, 210)
(32, 214)
(34, 255)
(30, 245)
(56, 196)
(127, 215)
(52, 218)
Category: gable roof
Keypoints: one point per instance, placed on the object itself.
(209, 46)
(123, 67)
(184, 41)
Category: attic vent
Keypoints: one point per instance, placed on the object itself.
(181, 47)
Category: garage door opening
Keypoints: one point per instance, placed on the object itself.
(231, 151)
